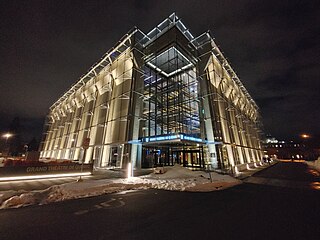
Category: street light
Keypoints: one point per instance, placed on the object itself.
(305, 148)
(7, 136)
(305, 136)
(7, 147)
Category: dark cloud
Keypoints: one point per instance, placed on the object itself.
(272, 45)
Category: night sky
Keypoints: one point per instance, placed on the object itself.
(45, 46)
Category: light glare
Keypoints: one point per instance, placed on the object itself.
(129, 170)
(7, 135)
(44, 176)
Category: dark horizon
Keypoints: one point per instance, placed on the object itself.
(273, 46)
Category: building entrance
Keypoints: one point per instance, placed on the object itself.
(188, 158)
(168, 156)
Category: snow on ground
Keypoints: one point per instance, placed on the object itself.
(315, 164)
(175, 178)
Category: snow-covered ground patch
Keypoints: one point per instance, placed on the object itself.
(175, 178)
(314, 164)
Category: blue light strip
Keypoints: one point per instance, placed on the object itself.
(135, 141)
(172, 137)
(189, 138)
(213, 142)
(162, 138)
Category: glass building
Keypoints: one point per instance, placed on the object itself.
(165, 97)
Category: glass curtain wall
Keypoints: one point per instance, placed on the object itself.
(170, 106)
(171, 102)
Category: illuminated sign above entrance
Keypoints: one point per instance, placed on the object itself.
(179, 137)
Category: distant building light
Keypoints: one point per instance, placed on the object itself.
(271, 140)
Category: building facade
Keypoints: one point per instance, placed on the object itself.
(165, 97)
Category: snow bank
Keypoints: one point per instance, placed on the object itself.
(175, 178)
(315, 164)
(176, 171)
(65, 191)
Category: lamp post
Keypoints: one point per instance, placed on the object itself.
(7, 136)
(305, 148)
